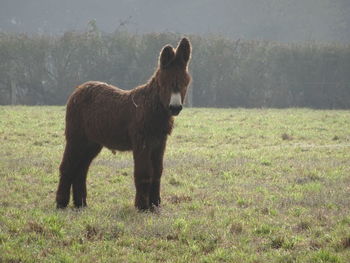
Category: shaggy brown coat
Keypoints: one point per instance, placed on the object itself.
(101, 115)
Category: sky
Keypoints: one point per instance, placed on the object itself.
(277, 20)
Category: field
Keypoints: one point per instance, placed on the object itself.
(239, 185)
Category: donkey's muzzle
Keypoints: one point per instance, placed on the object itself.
(175, 109)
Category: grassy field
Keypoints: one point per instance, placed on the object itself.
(239, 186)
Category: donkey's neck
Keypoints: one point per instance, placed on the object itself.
(148, 95)
(147, 103)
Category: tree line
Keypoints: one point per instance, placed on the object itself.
(43, 70)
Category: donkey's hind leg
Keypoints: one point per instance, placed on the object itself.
(67, 169)
(88, 153)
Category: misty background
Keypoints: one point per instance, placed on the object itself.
(246, 53)
(279, 20)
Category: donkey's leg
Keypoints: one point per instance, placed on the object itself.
(143, 177)
(88, 153)
(157, 162)
(67, 169)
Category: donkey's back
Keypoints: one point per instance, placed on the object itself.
(100, 113)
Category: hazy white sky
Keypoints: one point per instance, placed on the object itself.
(281, 20)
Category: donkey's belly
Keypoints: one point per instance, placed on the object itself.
(111, 138)
(118, 145)
(117, 142)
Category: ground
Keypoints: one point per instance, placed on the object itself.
(239, 185)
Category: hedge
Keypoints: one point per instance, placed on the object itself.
(39, 69)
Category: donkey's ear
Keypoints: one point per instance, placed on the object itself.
(183, 50)
(167, 55)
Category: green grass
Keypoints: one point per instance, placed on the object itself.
(238, 186)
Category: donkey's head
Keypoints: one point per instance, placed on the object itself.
(173, 77)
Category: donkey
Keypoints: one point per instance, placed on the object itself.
(139, 120)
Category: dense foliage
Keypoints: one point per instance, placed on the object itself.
(41, 69)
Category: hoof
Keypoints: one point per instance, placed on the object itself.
(142, 208)
(155, 202)
(61, 205)
(80, 206)
(155, 209)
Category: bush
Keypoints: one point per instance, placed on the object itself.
(226, 73)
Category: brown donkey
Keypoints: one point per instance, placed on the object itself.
(139, 120)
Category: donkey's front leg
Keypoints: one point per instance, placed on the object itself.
(143, 178)
(157, 162)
